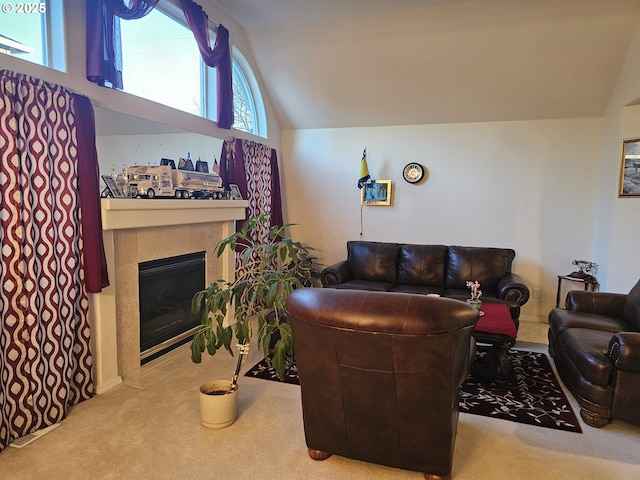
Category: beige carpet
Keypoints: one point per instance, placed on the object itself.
(149, 429)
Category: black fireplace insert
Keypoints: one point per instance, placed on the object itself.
(166, 287)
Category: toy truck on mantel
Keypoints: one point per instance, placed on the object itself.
(153, 181)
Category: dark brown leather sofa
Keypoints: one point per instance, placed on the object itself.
(424, 269)
(595, 344)
(379, 375)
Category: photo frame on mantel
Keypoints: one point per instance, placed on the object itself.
(630, 169)
(235, 192)
(112, 189)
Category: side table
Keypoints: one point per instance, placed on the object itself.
(590, 284)
(495, 334)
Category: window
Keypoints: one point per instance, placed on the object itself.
(161, 62)
(244, 109)
(34, 31)
(248, 108)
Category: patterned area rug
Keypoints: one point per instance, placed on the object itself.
(532, 395)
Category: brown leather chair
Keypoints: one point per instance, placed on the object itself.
(380, 373)
(595, 344)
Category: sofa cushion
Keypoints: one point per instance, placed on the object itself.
(363, 285)
(422, 265)
(484, 264)
(417, 289)
(631, 313)
(561, 320)
(587, 350)
(373, 261)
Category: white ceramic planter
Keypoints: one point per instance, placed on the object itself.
(219, 410)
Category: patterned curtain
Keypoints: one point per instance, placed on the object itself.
(45, 361)
(218, 57)
(254, 168)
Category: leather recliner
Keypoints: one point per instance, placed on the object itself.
(595, 344)
(380, 374)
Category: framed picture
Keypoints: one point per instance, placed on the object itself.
(235, 192)
(112, 189)
(376, 192)
(630, 169)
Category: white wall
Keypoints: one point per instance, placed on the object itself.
(117, 151)
(617, 230)
(524, 185)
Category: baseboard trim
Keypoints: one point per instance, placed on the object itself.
(100, 389)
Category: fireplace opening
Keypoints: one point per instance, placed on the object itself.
(166, 287)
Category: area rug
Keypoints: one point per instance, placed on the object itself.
(532, 394)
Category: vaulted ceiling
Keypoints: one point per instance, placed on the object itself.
(351, 63)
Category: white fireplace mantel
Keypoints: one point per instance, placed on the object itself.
(123, 214)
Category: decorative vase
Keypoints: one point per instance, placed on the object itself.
(218, 404)
(474, 303)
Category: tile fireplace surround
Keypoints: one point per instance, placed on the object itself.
(138, 230)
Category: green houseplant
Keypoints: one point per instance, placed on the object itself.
(267, 271)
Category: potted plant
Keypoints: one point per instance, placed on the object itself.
(268, 269)
(476, 293)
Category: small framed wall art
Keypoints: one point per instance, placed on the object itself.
(630, 169)
(376, 192)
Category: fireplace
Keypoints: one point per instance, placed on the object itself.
(165, 288)
(137, 231)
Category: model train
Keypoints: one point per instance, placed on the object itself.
(164, 180)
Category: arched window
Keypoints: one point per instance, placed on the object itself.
(244, 108)
(248, 107)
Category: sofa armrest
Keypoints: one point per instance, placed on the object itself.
(600, 303)
(624, 351)
(511, 287)
(336, 274)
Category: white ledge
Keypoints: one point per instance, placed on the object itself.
(124, 213)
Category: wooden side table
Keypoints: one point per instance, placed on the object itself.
(590, 284)
(495, 333)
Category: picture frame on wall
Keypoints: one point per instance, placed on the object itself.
(630, 168)
(376, 192)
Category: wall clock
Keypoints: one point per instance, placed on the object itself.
(413, 172)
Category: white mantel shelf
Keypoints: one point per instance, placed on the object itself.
(123, 213)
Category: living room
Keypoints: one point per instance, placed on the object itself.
(517, 113)
(557, 198)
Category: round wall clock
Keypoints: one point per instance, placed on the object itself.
(413, 172)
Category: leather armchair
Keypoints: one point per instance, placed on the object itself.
(595, 344)
(380, 373)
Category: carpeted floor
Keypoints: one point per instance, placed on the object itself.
(149, 429)
(532, 394)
